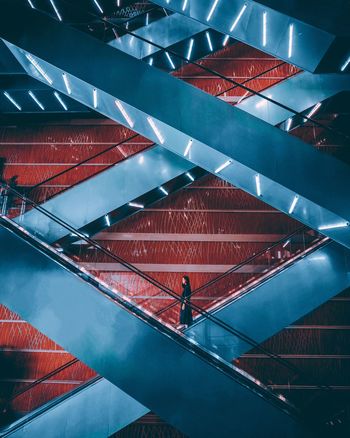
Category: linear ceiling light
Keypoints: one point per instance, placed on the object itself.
(190, 47)
(56, 10)
(332, 226)
(239, 16)
(59, 98)
(293, 204)
(136, 205)
(210, 45)
(223, 166)
(36, 100)
(290, 41)
(35, 64)
(155, 130)
(98, 6)
(124, 113)
(212, 9)
(12, 100)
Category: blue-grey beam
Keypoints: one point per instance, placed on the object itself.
(270, 30)
(107, 191)
(116, 340)
(96, 409)
(173, 113)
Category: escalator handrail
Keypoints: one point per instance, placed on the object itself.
(240, 265)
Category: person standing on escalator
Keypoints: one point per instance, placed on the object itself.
(186, 317)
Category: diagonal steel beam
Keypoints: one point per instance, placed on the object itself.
(173, 113)
(272, 29)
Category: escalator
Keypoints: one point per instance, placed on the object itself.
(228, 156)
(46, 275)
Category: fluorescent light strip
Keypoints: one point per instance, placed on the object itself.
(239, 16)
(6, 94)
(94, 95)
(118, 3)
(288, 124)
(124, 113)
(190, 47)
(184, 5)
(212, 9)
(31, 4)
(35, 63)
(136, 205)
(188, 147)
(290, 42)
(227, 37)
(66, 83)
(209, 41)
(150, 62)
(56, 10)
(258, 185)
(189, 176)
(155, 130)
(346, 63)
(223, 166)
(98, 6)
(170, 60)
(314, 109)
(332, 226)
(108, 222)
(147, 19)
(293, 204)
(286, 243)
(162, 189)
(32, 95)
(58, 97)
(264, 28)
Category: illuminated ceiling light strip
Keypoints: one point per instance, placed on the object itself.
(189, 176)
(150, 62)
(227, 37)
(98, 6)
(58, 97)
(12, 100)
(190, 48)
(162, 189)
(188, 147)
(332, 226)
(184, 5)
(209, 41)
(94, 95)
(155, 130)
(108, 222)
(346, 63)
(35, 63)
(56, 10)
(136, 205)
(31, 4)
(242, 97)
(264, 28)
(124, 113)
(289, 124)
(314, 109)
(286, 243)
(223, 166)
(32, 95)
(66, 83)
(258, 184)
(239, 16)
(170, 60)
(118, 3)
(212, 9)
(147, 19)
(290, 41)
(293, 204)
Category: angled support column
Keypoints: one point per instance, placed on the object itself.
(173, 113)
(271, 30)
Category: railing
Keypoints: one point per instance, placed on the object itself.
(130, 281)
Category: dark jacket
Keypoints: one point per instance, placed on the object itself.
(186, 311)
